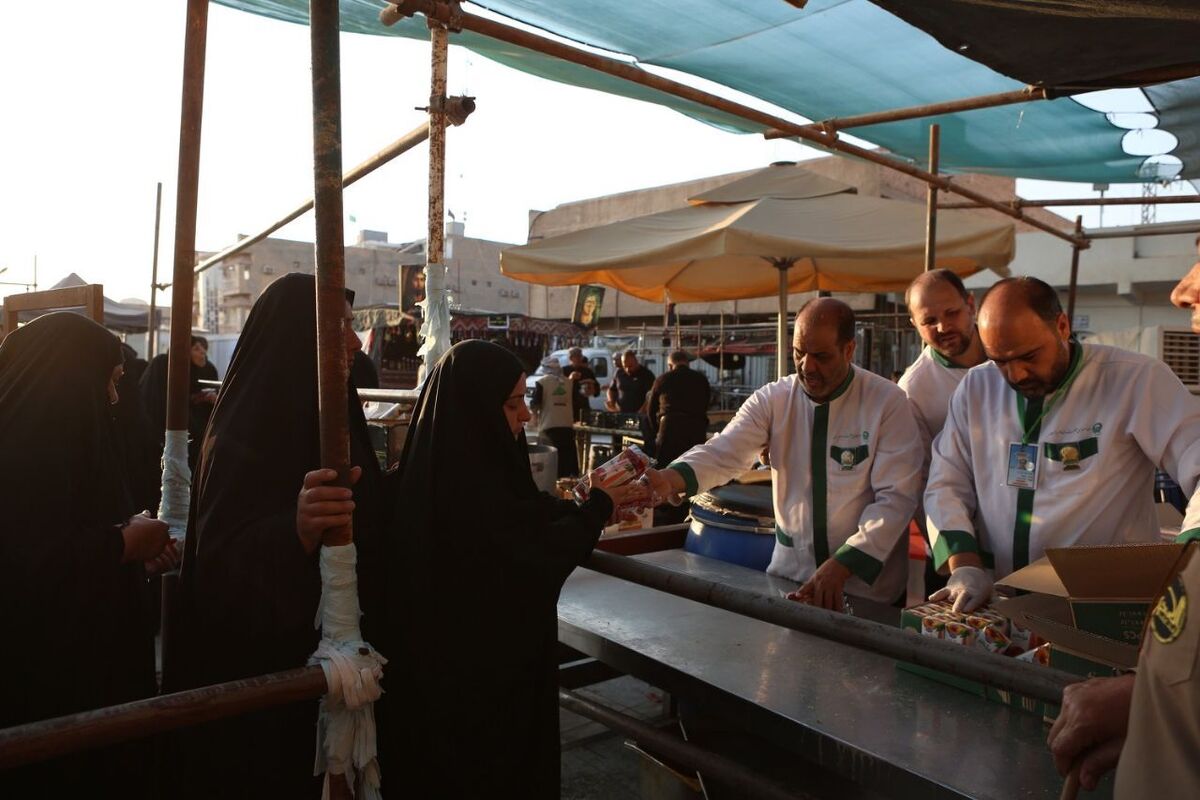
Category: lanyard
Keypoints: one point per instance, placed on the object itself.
(1061, 392)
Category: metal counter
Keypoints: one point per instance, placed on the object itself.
(851, 711)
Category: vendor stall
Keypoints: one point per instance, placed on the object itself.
(390, 338)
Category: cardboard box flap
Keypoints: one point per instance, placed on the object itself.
(1038, 577)
(1135, 571)
(1050, 618)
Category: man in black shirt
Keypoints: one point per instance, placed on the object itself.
(630, 385)
(678, 409)
(583, 381)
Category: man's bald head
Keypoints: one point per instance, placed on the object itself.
(935, 278)
(1025, 332)
(823, 347)
(826, 312)
(1013, 296)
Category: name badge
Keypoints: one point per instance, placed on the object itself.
(1022, 465)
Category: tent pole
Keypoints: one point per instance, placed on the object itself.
(177, 476)
(452, 14)
(1166, 230)
(402, 145)
(931, 200)
(152, 318)
(781, 329)
(437, 341)
(829, 126)
(329, 251)
(1074, 273)
(1021, 202)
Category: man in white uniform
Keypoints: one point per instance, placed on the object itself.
(1052, 444)
(943, 313)
(845, 460)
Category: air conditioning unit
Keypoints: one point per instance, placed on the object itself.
(1179, 349)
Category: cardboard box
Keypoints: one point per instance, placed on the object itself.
(1092, 602)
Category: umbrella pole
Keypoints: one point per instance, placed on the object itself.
(1074, 273)
(721, 358)
(781, 332)
(935, 136)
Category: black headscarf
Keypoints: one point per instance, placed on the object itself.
(479, 557)
(248, 590)
(460, 443)
(56, 425)
(139, 454)
(74, 634)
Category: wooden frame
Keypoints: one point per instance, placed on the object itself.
(89, 297)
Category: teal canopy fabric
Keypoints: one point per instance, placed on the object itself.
(831, 58)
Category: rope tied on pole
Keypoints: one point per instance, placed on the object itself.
(353, 669)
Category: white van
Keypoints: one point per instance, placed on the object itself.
(600, 360)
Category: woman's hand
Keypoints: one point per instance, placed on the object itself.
(145, 539)
(623, 494)
(320, 507)
(167, 560)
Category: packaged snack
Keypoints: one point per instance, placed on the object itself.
(993, 640)
(1021, 637)
(628, 465)
(960, 633)
(934, 626)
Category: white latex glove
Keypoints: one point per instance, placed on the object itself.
(968, 588)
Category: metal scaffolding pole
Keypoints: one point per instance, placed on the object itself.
(152, 317)
(450, 14)
(332, 369)
(457, 110)
(740, 780)
(834, 124)
(931, 201)
(187, 194)
(1021, 202)
(1071, 289)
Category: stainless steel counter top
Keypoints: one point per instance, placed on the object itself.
(849, 710)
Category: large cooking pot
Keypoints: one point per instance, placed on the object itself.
(543, 463)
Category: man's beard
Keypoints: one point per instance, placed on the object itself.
(953, 345)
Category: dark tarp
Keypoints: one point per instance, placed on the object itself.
(1110, 43)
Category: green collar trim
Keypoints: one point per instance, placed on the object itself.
(941, 359)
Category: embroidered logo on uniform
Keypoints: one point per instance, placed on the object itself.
(1170, 614)
(866, 436)
(1097, 428)
(847, 458)
(1070, 456)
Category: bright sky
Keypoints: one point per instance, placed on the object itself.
(91, 119)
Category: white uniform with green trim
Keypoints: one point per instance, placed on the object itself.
(1098, 445)
(929, 382)
(846, 477)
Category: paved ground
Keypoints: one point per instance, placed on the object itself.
(596, 764)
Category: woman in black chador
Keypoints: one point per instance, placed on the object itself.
(250, 581)
(74, 630)
(478, 557)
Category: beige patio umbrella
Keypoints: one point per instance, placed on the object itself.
(780, 230)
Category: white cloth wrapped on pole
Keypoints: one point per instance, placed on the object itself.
(176, 486)
(435, 331)
(346, 727)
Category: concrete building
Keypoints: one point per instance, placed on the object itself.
(373, 271)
